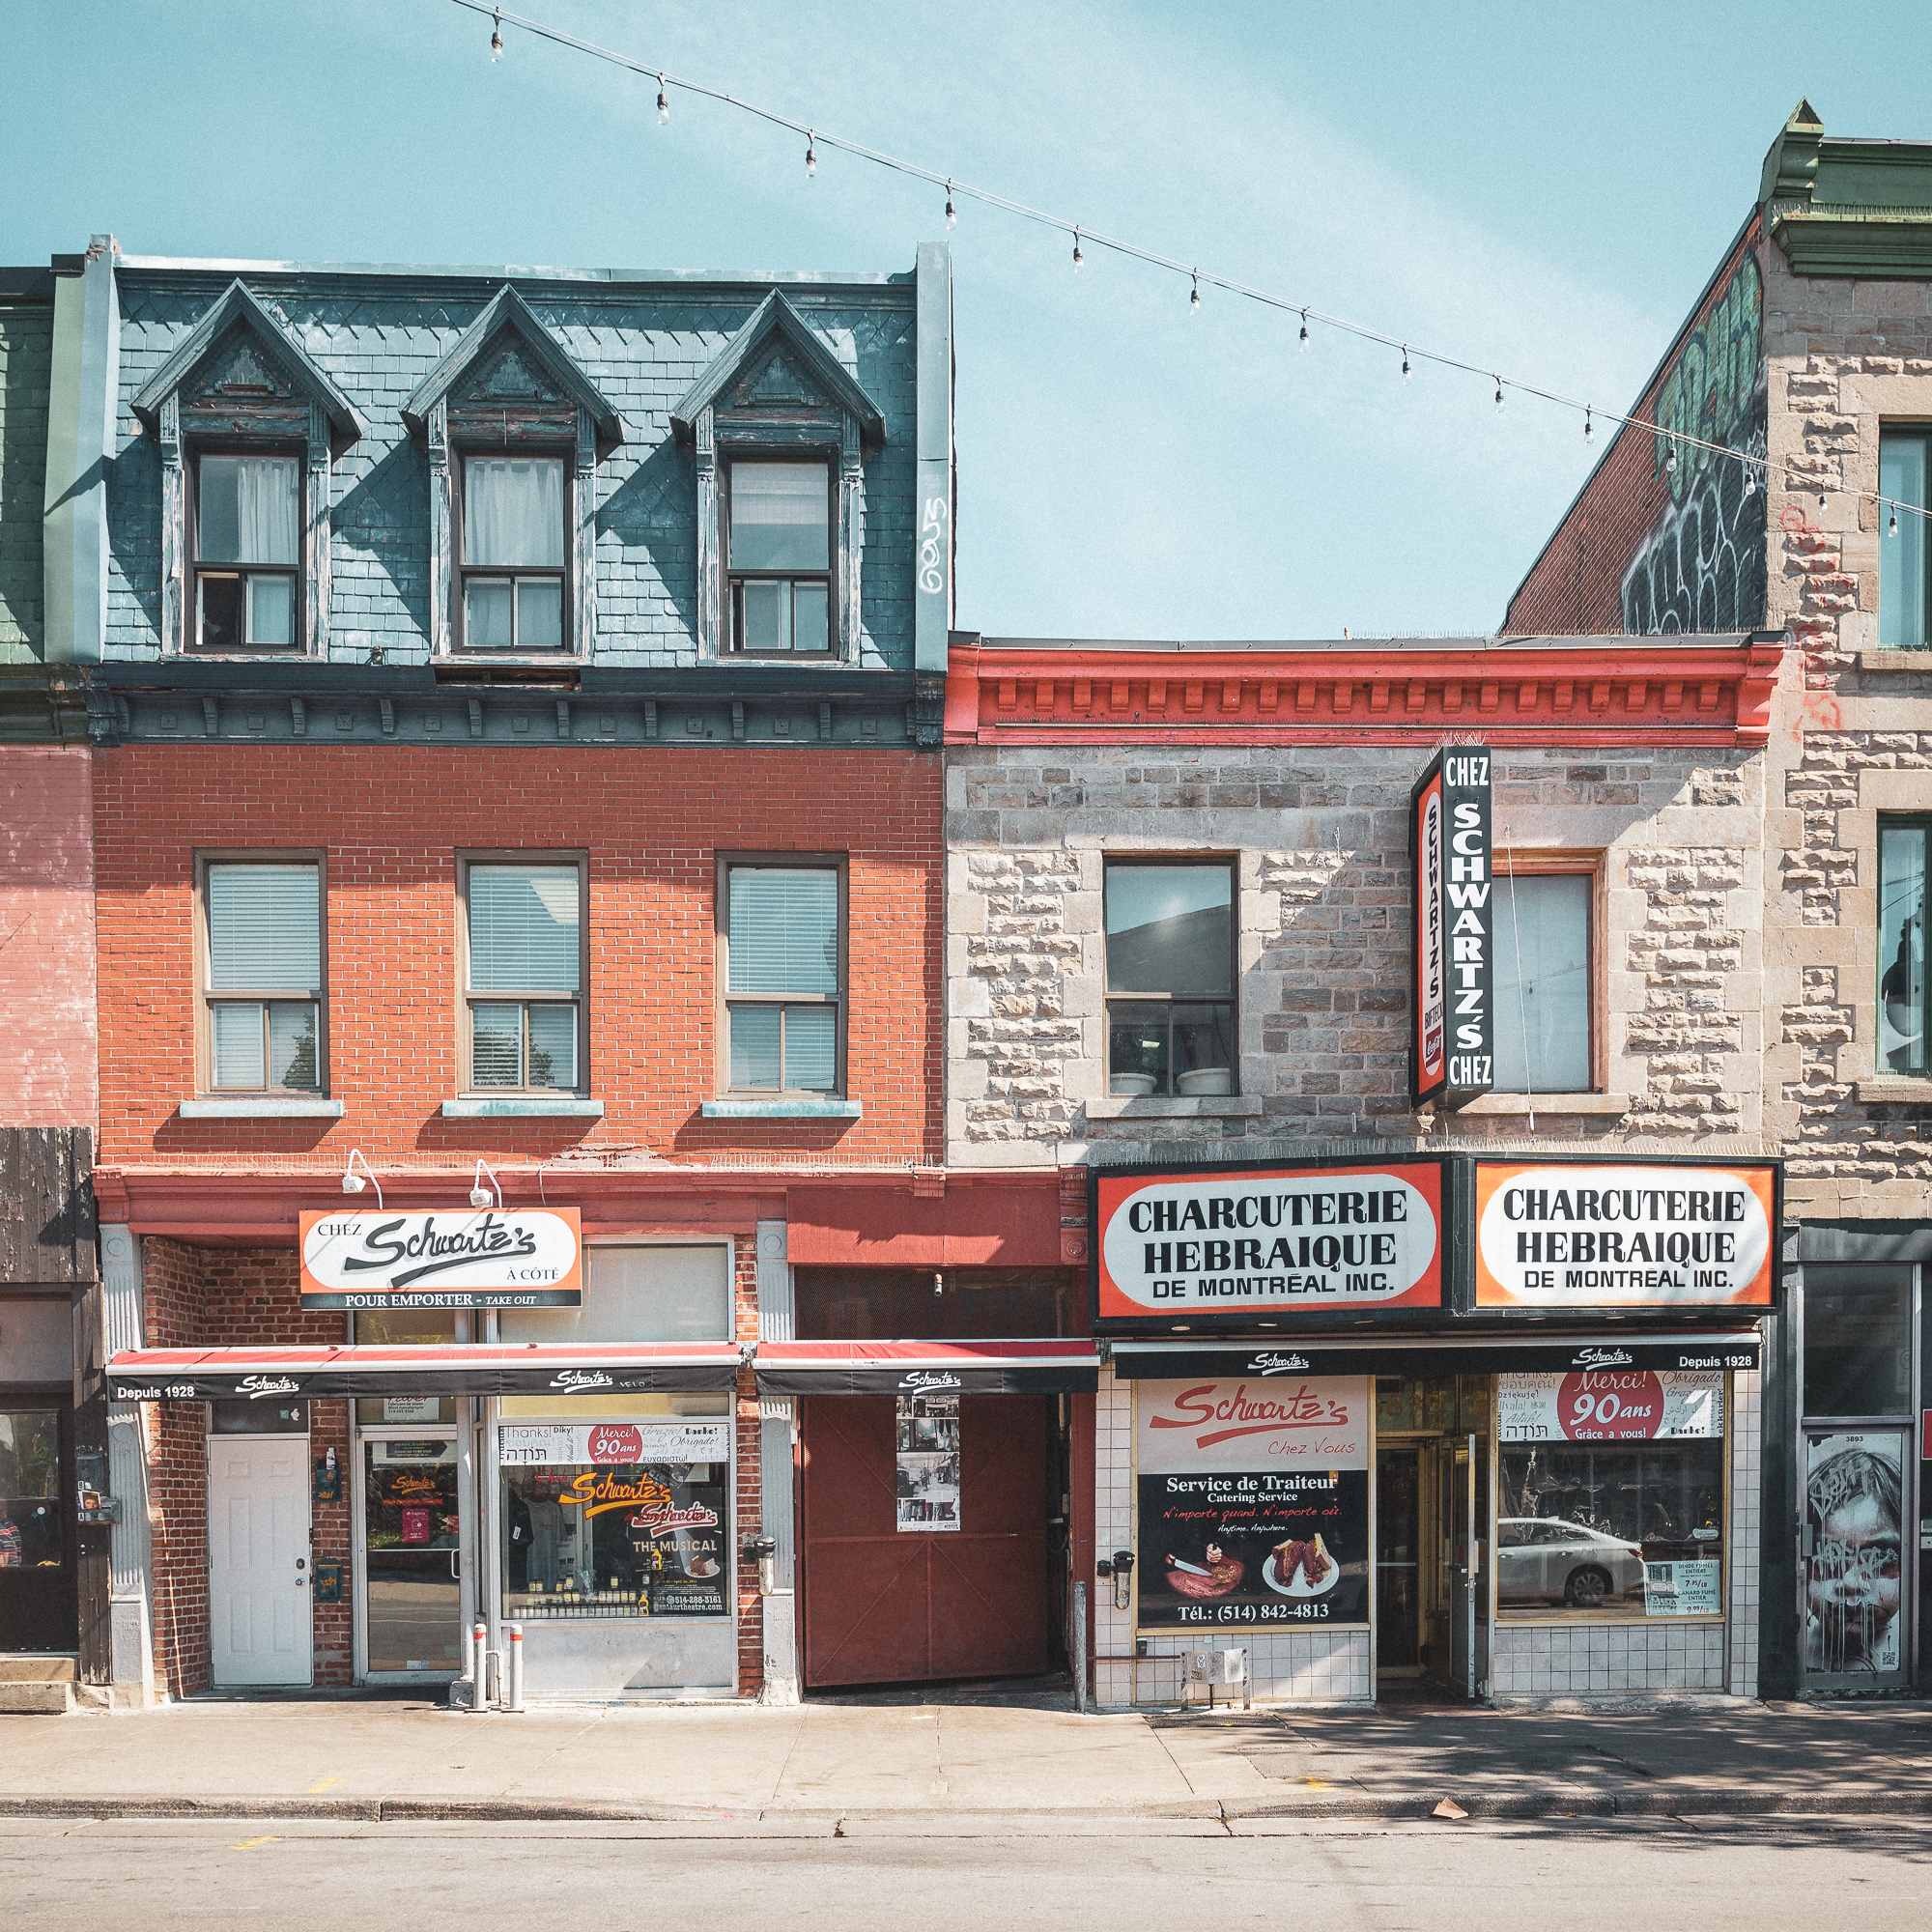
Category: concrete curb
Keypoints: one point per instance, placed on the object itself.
(1313, 1808)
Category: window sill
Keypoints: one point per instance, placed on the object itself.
(522, 1107)
(783, 1107)
(1551, 1103)
(1175, 1107)
(263, 1107)
(1903, 1090)
(1895, 661)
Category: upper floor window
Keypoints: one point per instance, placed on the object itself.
(262, 990)
(247, 552)
(514, 551)
(778, 556)
(1904, 585)
(785, 955)
(1170, 977)
(526, 968)
(1901, 944)
(1543, 981)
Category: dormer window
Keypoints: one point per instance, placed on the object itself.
(514, 551)
(778, 553)
(247, 552)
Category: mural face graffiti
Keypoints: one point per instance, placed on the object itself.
(1702, 567)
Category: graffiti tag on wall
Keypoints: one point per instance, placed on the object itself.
(1702, 566)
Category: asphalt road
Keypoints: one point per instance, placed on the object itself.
(919, 1876)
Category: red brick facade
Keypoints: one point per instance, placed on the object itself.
(392, 822)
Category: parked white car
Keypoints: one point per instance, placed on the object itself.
(1548, 1559)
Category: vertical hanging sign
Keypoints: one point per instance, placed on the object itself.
(1453, 1049)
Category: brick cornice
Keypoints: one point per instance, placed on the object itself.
(1713, 691)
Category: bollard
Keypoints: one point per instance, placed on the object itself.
(516, 1702)
(1079, 1648)
(479, 1666)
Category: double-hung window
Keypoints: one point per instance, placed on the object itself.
(525, 969)
(247, 552)
(1904, 582)
(262, 994)
(1902, 1007)
(779, 557)
(784, 972)
(1542, 933)
(513, 554)
(1170, 978)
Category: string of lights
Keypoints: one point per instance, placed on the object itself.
(1756, 469)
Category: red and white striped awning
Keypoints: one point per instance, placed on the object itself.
(914, 1368)
(221, 1374)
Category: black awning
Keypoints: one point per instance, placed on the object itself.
(1466, 1355)
(914, 1368)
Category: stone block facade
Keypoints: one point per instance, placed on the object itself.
(1321, 842)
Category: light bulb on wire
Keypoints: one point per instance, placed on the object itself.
(1499, 395)
(497, 39)
(1891, 527)
(1670, 461)
(952, 219)
(1405, 362)
(1194, 294)
(811, 154)
(1589, 428)
(1304, 331)
(663, 102)
(1078, 257)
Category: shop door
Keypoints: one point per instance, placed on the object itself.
(886, 1605)
(1458, 1653)
(36, 1541)
(260, 1629)
(1398, 1565)
(412, 1558)
(1858, 1606)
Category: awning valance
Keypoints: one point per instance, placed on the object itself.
(913, 1367)
(219, 1374)
(1443, 1356)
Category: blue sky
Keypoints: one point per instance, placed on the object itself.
(1541, 188)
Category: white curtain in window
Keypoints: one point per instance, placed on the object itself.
(1543, 982)
(250, 510)
(263, 928)
(779, 516)
(784, 930)
(524, 929)
(638, 1294)
(512, 512)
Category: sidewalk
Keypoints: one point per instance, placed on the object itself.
(829, 1761)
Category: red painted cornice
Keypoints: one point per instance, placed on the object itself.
(1508, 692)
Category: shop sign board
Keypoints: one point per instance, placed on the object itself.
(468, 1258)
(1452, 994)
(1610, 1405)
(1586, 1235)
(1265, 1242)
(1253, 1503)
(613, 1444)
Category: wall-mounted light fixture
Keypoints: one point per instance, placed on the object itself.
(354, 1183)
(479, 1195)
(1124, 1579)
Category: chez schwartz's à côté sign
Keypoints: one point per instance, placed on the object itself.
(1451, 1051)
(1184, 1248)
(467, 1257)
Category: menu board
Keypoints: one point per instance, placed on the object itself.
(1684, 1589)
(1610, 1405)
(1253, 1503)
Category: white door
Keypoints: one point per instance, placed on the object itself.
(260, 1629)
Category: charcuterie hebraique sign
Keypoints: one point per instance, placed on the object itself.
(1261, 1242)
(465, 1258)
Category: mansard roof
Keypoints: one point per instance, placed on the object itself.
(239, 305)
(508, 310)
(776, 380)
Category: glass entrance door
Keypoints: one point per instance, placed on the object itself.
(1398, 1560)
(1857, 1598)
(36, 1567)
(1464, 1485)
(412, 1548)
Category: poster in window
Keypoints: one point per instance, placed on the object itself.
(1253, 1503)
(1610, 1405)
(927, 1478)
(1854, 1515)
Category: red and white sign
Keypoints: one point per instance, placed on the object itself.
(1270, 1241)
(612, 1445)
(450, 1258)
(1610, 1405)
(613, 1442)
(1288, 1422)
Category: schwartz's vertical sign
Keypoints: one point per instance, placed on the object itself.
(470, 1258)
(1453, 999)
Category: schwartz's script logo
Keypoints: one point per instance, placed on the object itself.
(582, 1379)
(1275, 1365)
(1602, 1358)
(254, 1387)
(925, 1378)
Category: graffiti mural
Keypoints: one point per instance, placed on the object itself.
(1702, 566)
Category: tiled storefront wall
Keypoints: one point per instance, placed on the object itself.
(1746, 1555)
(1289, 1667)
(1600, 1660)
(1323, 935)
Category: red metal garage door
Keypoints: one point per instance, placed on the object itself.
(886, 1606)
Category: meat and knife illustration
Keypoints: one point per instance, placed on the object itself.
(1222, 1573)
(1311, 1559)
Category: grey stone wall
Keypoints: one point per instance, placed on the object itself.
(1320, 837)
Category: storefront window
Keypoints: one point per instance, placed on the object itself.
(399, 1328)
(837, 1305)
(30, 1513)
(638, 1294)
(1857, 1341)
(615, 1520)
(1611, 1495)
